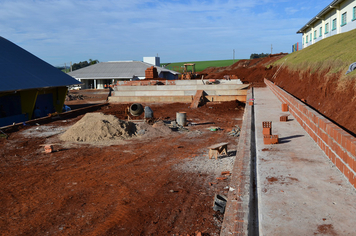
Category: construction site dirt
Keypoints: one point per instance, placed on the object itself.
(160, 183)
(248, 71)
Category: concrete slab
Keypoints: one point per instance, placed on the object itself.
(225, 92)
(181, 87)
(300, 192)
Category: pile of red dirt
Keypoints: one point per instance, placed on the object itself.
(248, 71)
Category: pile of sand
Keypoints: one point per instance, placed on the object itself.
(97, 127)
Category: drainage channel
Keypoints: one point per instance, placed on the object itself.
(253, 225)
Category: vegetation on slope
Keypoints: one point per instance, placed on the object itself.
(333, 54)
(199, 65)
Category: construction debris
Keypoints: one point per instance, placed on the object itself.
(219, 203)
(235, 132)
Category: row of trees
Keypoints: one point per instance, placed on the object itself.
(83, 64)
(255, 55)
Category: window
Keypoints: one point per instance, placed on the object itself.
(343, 19)
(326, 28)
(334, 24)
(314, 34)
(306, 39)
(320, 31)
(310, 37)
(354, 13)
(303, 41)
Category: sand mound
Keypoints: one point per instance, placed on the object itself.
(96, 127)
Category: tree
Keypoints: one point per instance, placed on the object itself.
(261, 55)
(83, 64)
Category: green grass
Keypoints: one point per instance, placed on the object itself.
(199, 65)
(334, 54)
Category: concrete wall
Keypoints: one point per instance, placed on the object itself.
(337, 144)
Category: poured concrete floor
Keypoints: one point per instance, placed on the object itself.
(300, 192)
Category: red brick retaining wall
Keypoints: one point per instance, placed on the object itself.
(337, 144)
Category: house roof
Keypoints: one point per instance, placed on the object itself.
(116, 70)
(20, 70)
(320, 15)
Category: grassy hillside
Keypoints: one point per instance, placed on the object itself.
(199, 65)
(334, 54)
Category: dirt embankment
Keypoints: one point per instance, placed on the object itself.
(332, 97)
(248, 71)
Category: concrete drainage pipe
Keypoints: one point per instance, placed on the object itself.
(136, 109)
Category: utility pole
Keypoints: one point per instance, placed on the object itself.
(271, 49)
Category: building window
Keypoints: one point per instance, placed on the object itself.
(306, 39)
(334, 24)
(320, 31)
(326, 28)
(303, 41)
(343, 19)
(354, 13)
(310, 37)
(314, 34)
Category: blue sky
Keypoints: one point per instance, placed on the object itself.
(60, 31)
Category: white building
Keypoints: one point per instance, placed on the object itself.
(106, 73)
(338, 17)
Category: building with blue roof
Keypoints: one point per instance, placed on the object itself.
(28, 83)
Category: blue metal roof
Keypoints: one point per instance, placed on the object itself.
(20, 70)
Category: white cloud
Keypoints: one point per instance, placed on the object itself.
(66, 30)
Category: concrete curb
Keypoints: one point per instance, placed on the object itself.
(236, 218)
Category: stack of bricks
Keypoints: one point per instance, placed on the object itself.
(337, 144)
(267, 127)
(283, 118)
(151, 73)
(268, 138)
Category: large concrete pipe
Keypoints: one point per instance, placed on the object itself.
(136, 109)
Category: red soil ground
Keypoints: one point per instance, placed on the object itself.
(132, 188)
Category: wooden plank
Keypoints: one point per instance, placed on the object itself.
(215, 146)
(196, 99)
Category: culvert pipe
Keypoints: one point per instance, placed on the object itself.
(136, 109)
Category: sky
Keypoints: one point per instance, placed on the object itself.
(64, 31)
